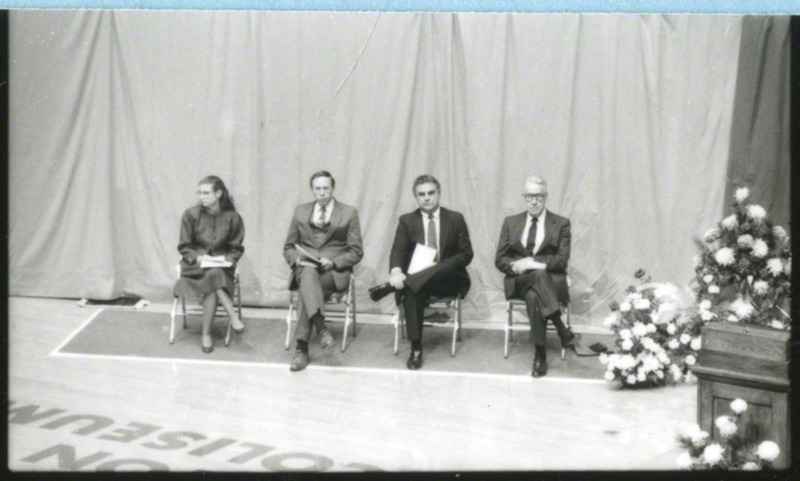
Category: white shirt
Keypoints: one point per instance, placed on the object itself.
(328, 211)
(539, 231)
(425, 220)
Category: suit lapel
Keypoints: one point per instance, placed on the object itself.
(336, 218)
(419, 230)
(548, 231)
(444, 228)
(517, 225)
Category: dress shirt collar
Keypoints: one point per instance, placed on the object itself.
(435, 215)
(328, 209)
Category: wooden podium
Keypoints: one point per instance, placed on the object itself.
(748, 362)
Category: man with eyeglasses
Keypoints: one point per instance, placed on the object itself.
(440, 229)
(322, 246)
(534, 245)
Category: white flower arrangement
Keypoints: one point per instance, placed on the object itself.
(745, 269)
(649, 323)
(731, 451)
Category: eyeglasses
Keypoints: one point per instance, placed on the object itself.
(530, 197)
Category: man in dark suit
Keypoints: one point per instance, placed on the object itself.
(533, 251)
(329, 231)
(441, 229)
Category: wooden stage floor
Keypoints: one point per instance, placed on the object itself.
(90, 413)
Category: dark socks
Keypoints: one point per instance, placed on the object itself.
(560, 327)
(318, 321)
(302, 345)
(416, 345)
(539, 353)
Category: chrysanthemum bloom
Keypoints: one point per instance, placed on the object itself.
(671, 328)
(733, 318)
(708, 278)
(726, 426)
(768, 451)
(760, 287)
(707, 315)
(760, 248)
(742, 308)
(685, 338)
(745, 240)
(641, 304)
(710, 235)
(626, 345)
(676, 373)
(741, 194)
(749, 466)
(738, 405)
(651, 328)
(779, 232)
(684, 461)
(756, 212)
(713, 289)
(712, 454)
(625, 307)
(775, 266)
(705, 304)
(631, 379)
(610, 321)
(603, 358)
(696, 344)
(639, 329)
(776, 324)
(690, 360)
(730, 222)
(609, 376)
(787, 267)
(625, 333)
(696, 259)
(673, 344)
(725, 256)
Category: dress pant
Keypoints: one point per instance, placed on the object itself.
(541, 302)
(437, 281)
(313, 288)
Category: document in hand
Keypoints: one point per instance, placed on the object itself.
(214, 261)
(422, 259)
(307, 256)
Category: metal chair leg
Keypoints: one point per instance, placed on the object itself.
(456, 326)
(172, 320)
(289, 324)
(347, 314)
(396, 322)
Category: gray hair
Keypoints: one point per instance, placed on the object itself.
(536, 180)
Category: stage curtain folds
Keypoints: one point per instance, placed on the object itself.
(115, 116)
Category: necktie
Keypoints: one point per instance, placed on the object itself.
(321, 219)
(432, 235)
(532, 235)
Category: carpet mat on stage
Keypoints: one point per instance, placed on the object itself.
(146, 335)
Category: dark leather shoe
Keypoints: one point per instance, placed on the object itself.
(414, 360)
(568, 339)
(539, 367)
(299, 361)
(376, 293)
(326, 339)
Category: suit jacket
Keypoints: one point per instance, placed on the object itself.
(554, 251)
(454, 244)
(341, 244)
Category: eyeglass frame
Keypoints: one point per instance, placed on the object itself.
(531, 197)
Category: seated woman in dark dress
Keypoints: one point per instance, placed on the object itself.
(211, 228)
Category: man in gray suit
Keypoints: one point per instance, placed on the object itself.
(533, 252)
(329, 232)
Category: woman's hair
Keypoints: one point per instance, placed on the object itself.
(226, 201)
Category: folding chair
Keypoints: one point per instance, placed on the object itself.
(198, 309)
(562, 283)
(348, 316)
(439, 304)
